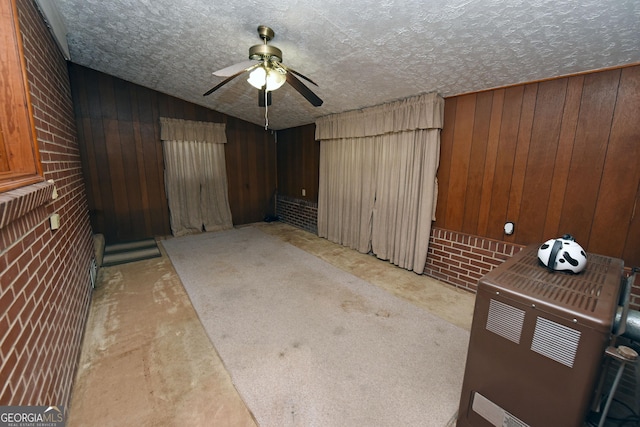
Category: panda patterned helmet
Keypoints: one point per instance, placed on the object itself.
(563, 254)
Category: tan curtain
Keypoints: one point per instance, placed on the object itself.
(347, 185)
(195, 175)
(378, 178)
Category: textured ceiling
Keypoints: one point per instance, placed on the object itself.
(360, 52)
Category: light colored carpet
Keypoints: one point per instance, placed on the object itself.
(307, 344)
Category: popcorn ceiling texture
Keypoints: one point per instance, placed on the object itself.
(361, 53)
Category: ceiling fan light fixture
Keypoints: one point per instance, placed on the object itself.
(271, 77)
(275, 79)
(257, 77)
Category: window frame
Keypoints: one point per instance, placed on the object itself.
(19, 153)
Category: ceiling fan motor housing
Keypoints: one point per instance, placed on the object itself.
(263, 51)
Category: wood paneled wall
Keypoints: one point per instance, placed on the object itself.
(251, 171)
(119, 136)
(555, 157)
(298, 163)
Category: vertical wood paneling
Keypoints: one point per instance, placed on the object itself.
(157, 205)
(145, 97)
(88, 157)
(559, 156)
(504, 161)
(541, 159)
(298, 163)
(251, 171)
(570, 112)
(107, 106)
(250, 158)
(621, 173)
(459, 166)
(477, 159)
(521, 154)
(99, 143)
(120, 209)
(131, 173)
(119, 137)
(155, 158)
(234, 176)
(446, 152)
(141, 167)
(590, 147)
(267, 184)
(122, 93)
(493, 140)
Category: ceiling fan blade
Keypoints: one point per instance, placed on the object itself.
(228, 79)
(291, 70)
(303, 90)
(233, 69)
(303, 76)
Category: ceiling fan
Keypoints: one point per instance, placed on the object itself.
(267, 72)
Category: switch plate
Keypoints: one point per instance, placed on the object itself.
(55, 221)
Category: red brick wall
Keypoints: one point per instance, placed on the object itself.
(45, 284)
(300, 213)
(461, 259)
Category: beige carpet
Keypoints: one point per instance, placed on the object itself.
(307, 344)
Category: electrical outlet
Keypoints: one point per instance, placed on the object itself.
(304, 192)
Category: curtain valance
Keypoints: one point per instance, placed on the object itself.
(420, 112)
(187, 130)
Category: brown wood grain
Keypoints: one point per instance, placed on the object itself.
(571, 108)
(298, 163)
(541, 160)
(504, 162)
(621, 172)
(459, 166)
(589, 152)
(493, 140)
(119, 140)
(521, 156)
(477, 159)
(560, 156)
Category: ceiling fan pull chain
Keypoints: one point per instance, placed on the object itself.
(266, 109)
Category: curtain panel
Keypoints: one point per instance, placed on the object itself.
(195, 176)
(378, 187)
